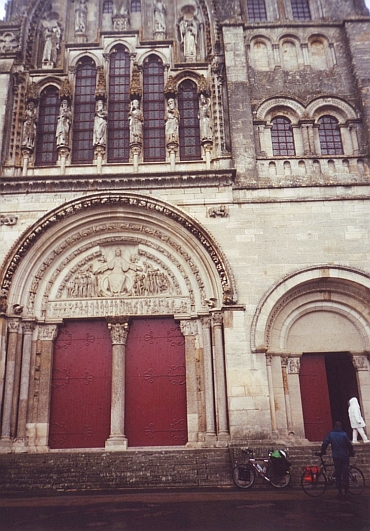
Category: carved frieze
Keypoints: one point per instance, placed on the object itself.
(118, 306)
(8, 219)
(360, 363)
(294, 365)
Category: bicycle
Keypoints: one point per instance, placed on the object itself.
(245, 474)
(316, 478)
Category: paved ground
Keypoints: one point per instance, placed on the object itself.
(216, 510)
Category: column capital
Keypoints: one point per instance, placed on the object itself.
(47, 332)
(118, 328)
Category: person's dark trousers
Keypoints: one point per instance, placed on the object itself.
(341, 471)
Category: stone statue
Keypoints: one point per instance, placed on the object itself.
(100, 124)
(189, 36)
(116, 280)
(205, 125)
(29, 126)
(136, 120)
(63, 125)
(81, 16)
(172, 122)
(52, 37)
(159, 17)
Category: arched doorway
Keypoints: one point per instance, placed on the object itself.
(327, 382)
(116, 259)
(315, 328)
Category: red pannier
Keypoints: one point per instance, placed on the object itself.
(312, 473)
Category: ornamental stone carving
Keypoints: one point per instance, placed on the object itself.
(294, 365)
(119, 329)
(360, 363)
(9, 42)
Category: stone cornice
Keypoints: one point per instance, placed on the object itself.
(113, 182)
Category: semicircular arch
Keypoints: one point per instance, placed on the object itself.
(337, 290)
(91, 254)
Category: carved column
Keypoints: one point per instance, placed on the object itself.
(28, 329)
(47, 336)
(119, 328)
(295, 399)
(220, 378)
(13, 328)
(360, 362)
(284, 365)
(354, 139)
(271, 392)
(208, 381)
(194, 405)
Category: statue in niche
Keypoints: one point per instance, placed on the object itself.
(205, 125)
(172, 122)
(81, 16)
(189, 33)
(29, 126)
(120, 18)
(136, 119)
(116, 281)
(64, 124)
(159, 17)
(100, 124)
(52, 36)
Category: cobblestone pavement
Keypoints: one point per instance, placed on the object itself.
(196, 510)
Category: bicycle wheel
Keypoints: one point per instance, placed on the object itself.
(313, 486)
(244, 476)
(356, 480)
(279, 482)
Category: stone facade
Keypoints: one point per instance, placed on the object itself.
(261, 257)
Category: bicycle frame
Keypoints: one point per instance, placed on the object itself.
(323, 476)
(245, 473)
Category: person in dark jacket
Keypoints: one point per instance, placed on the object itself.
(342, 450)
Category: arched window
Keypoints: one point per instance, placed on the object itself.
(83, 122)
(135, 6)
(256, 10)
(301, 10)
(46, 147)
(153, 110)
(119, 90)
(189, 135)
(108, 6)
(330, 137)
(282, 137)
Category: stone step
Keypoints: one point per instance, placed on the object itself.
(102, 471)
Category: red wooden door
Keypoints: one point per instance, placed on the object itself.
(155, 412)
(81, 386)
(315, 397)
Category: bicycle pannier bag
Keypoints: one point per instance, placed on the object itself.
(311, 473)
(244, 473)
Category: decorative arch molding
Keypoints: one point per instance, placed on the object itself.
(347, 112)
(277, 103)
(119, 42)
(75, 231)
(328, 284)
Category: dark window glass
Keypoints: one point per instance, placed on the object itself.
(153, 109)
(301, 10)
(119, 89)
(282, 137)
(256, 10)
(46, 148)
(188, 101)
(330, 137)
(135, 6)
(108, 6)
(84, 111)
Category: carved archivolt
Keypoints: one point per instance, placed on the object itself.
(129, 262)
(331, 287)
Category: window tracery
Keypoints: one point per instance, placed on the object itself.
(46, 145)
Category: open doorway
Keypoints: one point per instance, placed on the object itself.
(327, 381)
